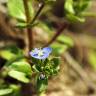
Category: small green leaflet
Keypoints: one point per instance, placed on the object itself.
(19, 76)
(69, 6)
(5, 91)
(16, 9)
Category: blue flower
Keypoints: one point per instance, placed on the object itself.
(39, 53)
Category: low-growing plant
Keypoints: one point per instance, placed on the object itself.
(37, 64)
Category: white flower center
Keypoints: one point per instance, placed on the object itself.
(40, 53)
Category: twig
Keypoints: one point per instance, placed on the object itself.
(59, 31)
(41, 6)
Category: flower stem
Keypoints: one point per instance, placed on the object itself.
(38, 12)
(29, 31)
(59, 31)
(30, 40)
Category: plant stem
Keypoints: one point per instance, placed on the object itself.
(29, 31)
(30, 42)
(59, 31)
(38, 12)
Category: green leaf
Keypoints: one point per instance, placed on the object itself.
(19, 76)
(87, 14)
(69, 6)
(42, 84)
(16, 9)
(5, 91)
(22, 66)
(6, 54)
(46, 26)
(66, 40)
(46, 61)
(81, 5)
(35, 61)
(74, 18)
(75, 8)
(21, 25)
(56, 61)
(25, 25)
(10, 52)
(58, 48)
(85, 4)
(16, 89)
(92, 58)
(53, 67)
(35, 69)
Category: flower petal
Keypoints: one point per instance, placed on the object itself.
(45, 53)
(47, 50)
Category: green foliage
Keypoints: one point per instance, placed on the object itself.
(6, 54)
(81, 5)
(66, 40)
(74, 18)
(16, 90)
(16, 10)
(6, 91)
(16, 65)
(18, 75)
(44, 69)
(21, 25)
(52, 67)
(56, 62)
(69, 6)
(75, 8)
(92, 58)
(58, 48)
(49, 67)
(45, 27)
(9, 90)
(21, 71)
(10, 52)
(41, 84)
(22, 66)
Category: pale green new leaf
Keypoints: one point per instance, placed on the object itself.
(16, 9)
(92, 58)
(6, 54)
(69, 6)
(6, 91)
(58, 48)
(22, 66)
(66, 40)
(19, 76)
(74, 18)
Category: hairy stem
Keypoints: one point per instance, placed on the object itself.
(29, 41)
(29, 31)
(59, 31)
